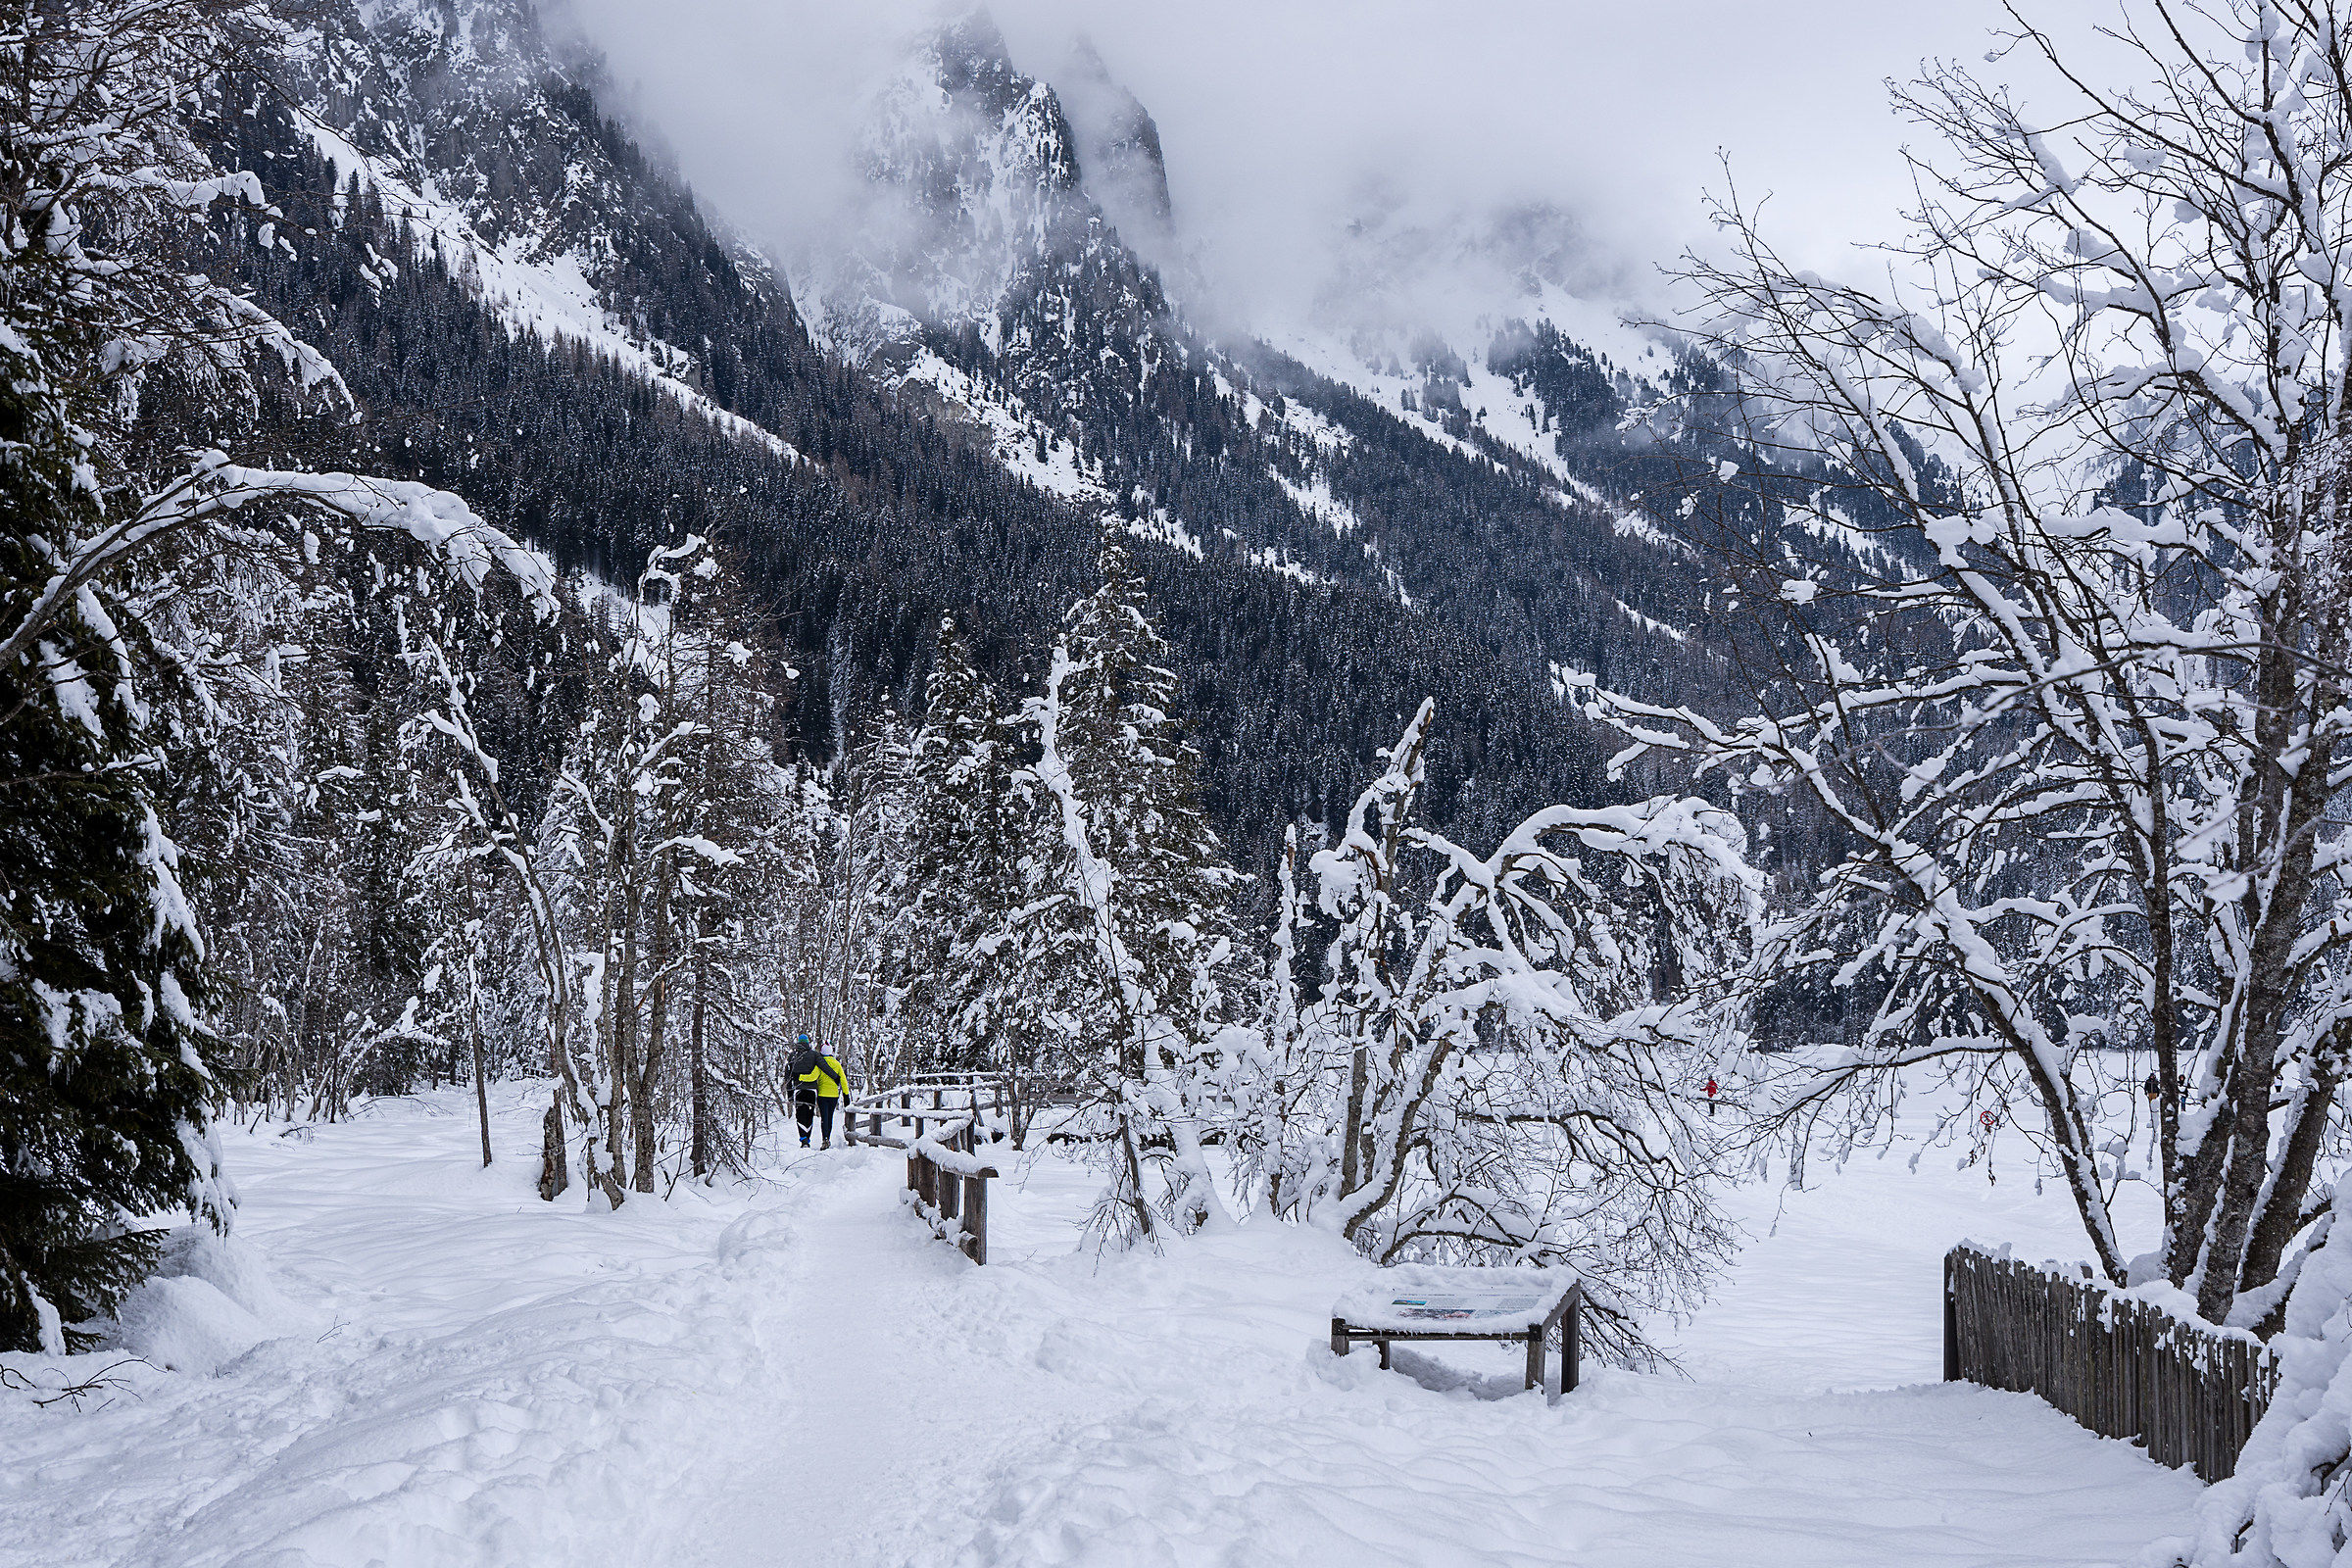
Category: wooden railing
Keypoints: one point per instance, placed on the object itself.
(986, 1095)
(2124, 1367)
(947, 1180)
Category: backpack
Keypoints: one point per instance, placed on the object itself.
(803, 1061)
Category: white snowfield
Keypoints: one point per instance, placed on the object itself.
(406, 1361)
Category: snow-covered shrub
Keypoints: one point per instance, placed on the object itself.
(1506, 1060)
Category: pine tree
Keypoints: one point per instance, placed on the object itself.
(104, 1088)
(1133, 900)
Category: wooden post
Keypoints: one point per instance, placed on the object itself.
(1535, 1357)
(1339, 1336)
(975, 1218)
(1572, 1341)
(1384, 1356)
(1951, 1319)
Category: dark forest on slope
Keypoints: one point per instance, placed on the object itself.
(899, 515)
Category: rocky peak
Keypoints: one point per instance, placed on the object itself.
(977, 173)
(450, 46)
(1119, 151)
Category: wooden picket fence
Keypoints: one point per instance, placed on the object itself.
(2123, 1368)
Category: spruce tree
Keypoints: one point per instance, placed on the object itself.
(1134, 899)
(1139, 774)
(103, 1090)
(972, 988)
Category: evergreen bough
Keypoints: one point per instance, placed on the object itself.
(104, 1091)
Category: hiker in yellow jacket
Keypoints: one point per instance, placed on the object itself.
(818, 1085)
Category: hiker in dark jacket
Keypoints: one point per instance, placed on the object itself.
(818, 1085)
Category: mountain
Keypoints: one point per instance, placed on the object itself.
(941, 414)
(1124, 169)
(1042, 320)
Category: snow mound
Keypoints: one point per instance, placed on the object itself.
(212, 1301)
(2286, 1507)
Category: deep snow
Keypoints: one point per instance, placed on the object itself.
(794, 1373)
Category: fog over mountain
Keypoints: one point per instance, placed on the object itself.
(1310, 144)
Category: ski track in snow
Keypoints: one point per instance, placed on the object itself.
(800, 1375)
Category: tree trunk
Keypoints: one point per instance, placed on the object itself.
(554, 1169)
(481, 1075)
(2281, 1213)
(1351, 1140)
(698, 1092)
(657, 1032)
(2279, 842)
(623, 1030)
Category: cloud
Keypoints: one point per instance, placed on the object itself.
(1304, 136)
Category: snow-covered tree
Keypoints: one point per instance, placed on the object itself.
(870, 887)
(967, 999)
(104, 1091)
(752, 838)
(1129, 916)
(2075, 726)
(1505, 1063)
(102, 1038)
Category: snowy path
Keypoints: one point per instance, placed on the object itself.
(801, 1377)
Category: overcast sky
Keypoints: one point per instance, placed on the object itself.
(1282, 119)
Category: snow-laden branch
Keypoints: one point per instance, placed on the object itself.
(2077, 716)
(216, 490)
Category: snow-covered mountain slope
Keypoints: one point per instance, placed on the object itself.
(996, 275)
(435, 110)
(535, 313)
(1409, 291)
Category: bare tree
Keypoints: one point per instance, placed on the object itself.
(2070, 698)
(1503, 1064)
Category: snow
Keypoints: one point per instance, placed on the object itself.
(1378, 365)
(1012, 436)
(1625, 525)
(1276, 559)
(1648, 624)
(550, 295)
(1413, 1298)
(1315, 499)
(1822, 523)
(792, 1372)
(211, 1301)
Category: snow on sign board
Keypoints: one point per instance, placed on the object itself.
(1450, 1308)
(1420, 1296)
